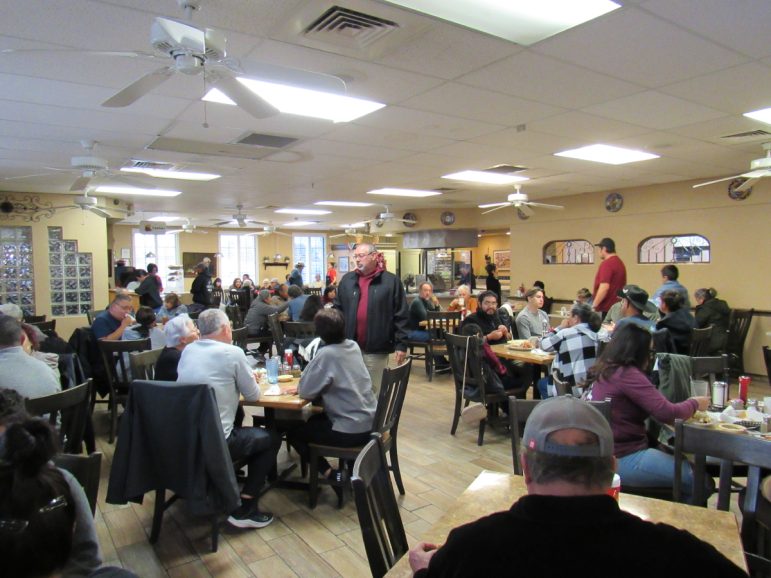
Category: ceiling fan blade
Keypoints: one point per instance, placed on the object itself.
(496, 208)
(139, 88)
(238, 93)
(716, 181)
(757, 174)
(221, 223)
(102, 213)
(525, 209)
(20, 177)
(545, 206)
(80, 184)
(125, 53)
(748, 183)
(174, 232)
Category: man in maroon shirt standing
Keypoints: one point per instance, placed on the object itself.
(610, 278)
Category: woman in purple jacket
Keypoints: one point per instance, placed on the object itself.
(622, 378)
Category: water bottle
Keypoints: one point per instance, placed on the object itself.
(545, 329)
(272, 367)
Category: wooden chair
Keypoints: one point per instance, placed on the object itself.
(767, 358)
(710, 368)
(297, 332)
(381, 524)
(90, 316)
(47, 327)
(312, 291)
(701, 442)
(738, 328)
(241, 299)
(73, 404)
(87, 470)
(700, 340)
(439, 324)
(217, 295)
(466, 362)
(276, 331)
(33, 319)
(118, 376)
(142, 363)
(520, 410)
(239, 337)
(234, 314)
(386, 423)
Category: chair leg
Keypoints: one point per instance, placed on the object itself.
(160, 501)
(313, 483)
(113, 418)
(481, 437)
(456, 413)
(395, 467)
(215, 532)
(303, 467)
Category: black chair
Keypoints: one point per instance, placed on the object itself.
(73, 404)
(234, 314)
(32, 319)
(439, 324)
(86, 469)
(240, 336)
(712, 369)
(118, 375)
(393, 389)
(738, 328)
(90, 316)
(700, 341)
(312, 291)
(381, 524)
(520, 410)
(217, 295)
(767, 358)
(47, 327)
(171, 438)
(700, 442)
(142, 363)
(276, 331)
(466, 361)
(298, 333)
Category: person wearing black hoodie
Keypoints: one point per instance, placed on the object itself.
(715, 312)
(677, 319)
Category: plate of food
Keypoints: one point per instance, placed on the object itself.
(285, 378)
(731, 428)
(519, 344)
(702, 419)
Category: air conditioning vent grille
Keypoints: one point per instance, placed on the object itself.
(156, 165)
(342, 25)
(266, 140)
(750, 134)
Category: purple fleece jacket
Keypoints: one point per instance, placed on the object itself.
(633, 399)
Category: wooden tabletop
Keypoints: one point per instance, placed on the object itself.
(495, 492)
(284, 401)
(502, 351)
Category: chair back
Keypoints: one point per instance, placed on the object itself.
(520, 410)
(46, 327)
(767, 358)
(240, 298)
(32, 319)
(235, 315)
(90, 316)
(466, 362)
(710, 368)
(115, 363)
(217, 295)
(393, 389)
(87, 470)
(738, 328)
(663, 342)
(71, 371)
(142, 363)
(74, 405)
(700, 442)
(381, 525)
(312, 291)
(276, 331)
(700, 341)
(440, 323)
(299, 329)
(240, 336)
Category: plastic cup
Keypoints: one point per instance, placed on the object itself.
(699, 387)
(272, 367)
(615, 487)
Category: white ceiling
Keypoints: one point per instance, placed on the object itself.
(668, 77)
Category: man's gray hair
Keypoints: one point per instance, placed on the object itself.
(212, 321)
(372, 247)
(120, 297)
(294, 291)
(10, 331)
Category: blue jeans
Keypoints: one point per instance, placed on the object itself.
(652, 467)
(542, 383)
(417, 335)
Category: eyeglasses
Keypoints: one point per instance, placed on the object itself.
(489, 303)
(358, 256)
(16, 526)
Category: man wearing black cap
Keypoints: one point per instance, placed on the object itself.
(634, 302)
(567, 525)
(610, 278)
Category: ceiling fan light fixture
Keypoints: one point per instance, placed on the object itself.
(115, 190)
(303, 101)
(343, 204)
(393, 192)
(763, 115)
(485, 177)
(167, 174)
(608, 154)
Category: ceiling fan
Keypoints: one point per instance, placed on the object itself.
(386, 216)
(187, 227)
(86, 203)
(519, 200)
(356, 232)
(759, 168)
(269, 229)
(90, 168)
(240, 218)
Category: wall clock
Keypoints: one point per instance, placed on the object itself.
(614, 202)
(409, 219)
(522, 215)
(738, 195)
(447, 218)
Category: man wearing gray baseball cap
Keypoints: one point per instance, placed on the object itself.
(567, 524)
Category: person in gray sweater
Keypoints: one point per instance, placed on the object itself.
(336, 375)
(257, 316)
(30, 377)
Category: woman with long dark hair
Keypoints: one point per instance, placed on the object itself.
(621, 376)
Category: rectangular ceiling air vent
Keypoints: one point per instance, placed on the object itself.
(256, 139)
(348, 27)
(154, 165)
(202, 148)
(750, 134)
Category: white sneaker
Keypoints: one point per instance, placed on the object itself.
(473, 413)
(252, 520)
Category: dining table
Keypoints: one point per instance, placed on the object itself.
(504, 351)
(495, 491)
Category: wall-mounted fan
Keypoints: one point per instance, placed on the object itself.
(519, 200)
(759, 168)
(240, 218)
(186, 227)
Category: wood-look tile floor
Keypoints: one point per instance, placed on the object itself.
(323, 542)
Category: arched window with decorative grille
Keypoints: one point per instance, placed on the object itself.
(689, 248)
(570, 252)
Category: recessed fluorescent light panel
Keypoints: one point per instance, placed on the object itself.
(489, 205)
(403, 192)
(763, 115)
(303, 211)
(299, 223)
(137, 191)
(522, 21)
(303, 101)
(166, 174)
(343, 204)
(607, 154)
(163, 219)
(485, 177)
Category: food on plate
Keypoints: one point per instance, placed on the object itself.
(520, 344)
(731, 427)
(701, 417)
(285, 378)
